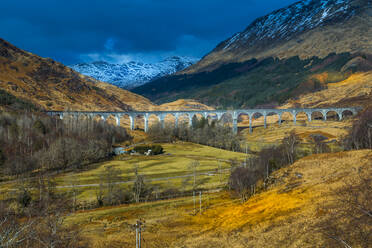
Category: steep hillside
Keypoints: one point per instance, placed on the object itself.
(292, 51)
(307, 28)
(355, 90)
(29, 81)
(184, 104)
(132, 74)
(255, 83)
(51, 85)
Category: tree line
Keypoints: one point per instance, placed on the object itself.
(34, 141)
(202, 131)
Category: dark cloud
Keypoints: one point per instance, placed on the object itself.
(72, 30)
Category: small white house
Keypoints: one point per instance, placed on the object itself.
(119, 151)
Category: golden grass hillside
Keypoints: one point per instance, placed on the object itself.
(50, 84)
(53, 86)
(356, 90)
(286, 215)
(184, 104)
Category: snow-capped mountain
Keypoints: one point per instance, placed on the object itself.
(132, 74)
(284, 23)
(306, 28)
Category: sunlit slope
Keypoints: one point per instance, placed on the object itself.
(356, 90)
(184, 104)
(53, 86)
(289, 212)
(170, 170)
(50, 84)
(286, 215)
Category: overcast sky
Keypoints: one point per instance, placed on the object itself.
(72, 31)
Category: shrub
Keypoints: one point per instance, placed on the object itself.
(360, 135)
(155, 149)
(24, 198)
(39, 126)
(2, 158)
(242, 181)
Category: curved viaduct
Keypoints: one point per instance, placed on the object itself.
(216, 114)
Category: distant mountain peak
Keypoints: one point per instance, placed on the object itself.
(132, 74)
(285, 22)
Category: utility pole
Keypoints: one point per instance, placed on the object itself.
(219, 171)
(193, 196)
(200, 202)
(138, 227)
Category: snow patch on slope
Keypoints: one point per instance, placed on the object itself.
(133, 74)
(284, 23)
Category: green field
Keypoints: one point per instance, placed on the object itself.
(170, 170)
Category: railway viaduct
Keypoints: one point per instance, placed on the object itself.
(215, 114)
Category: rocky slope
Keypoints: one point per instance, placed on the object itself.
(305, 29)
(132, 74)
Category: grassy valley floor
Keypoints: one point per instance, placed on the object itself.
(168, 171)
(287, 215)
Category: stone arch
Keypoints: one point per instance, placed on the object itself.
(184, 118)
(287, 117)
(212, 117)
(153, 119)
(99, 117)
(332, 115)
(258, 119)
(83, 118)
(58, 116)
(197, 117)
(139, 121)
(170, 119)
(317, 115)
(226, 118)
(273, 117)
(347, 114)
(111, 119)
(303, 117)
(243, 120)
(126, 121)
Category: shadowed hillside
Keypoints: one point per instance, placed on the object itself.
(255, 82)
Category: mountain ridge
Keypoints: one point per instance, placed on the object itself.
(278, 57)
(305, 29)
(132, 74)
(28, 81)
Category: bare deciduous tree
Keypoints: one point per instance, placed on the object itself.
(360, 135)
(138, 186)
(290, 143)
(12, 233)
